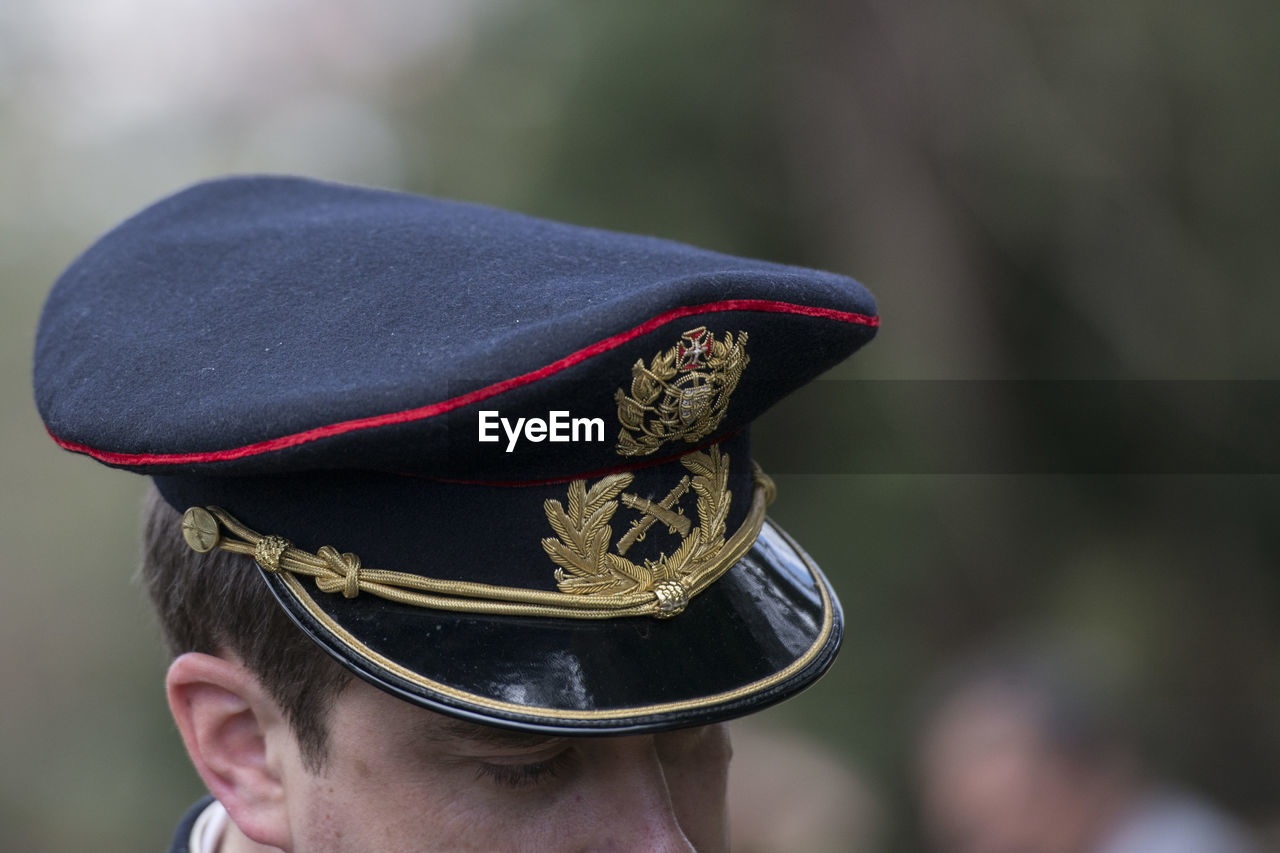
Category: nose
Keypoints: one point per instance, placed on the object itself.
(633, 810)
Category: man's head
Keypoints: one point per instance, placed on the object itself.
(496, 467)
(1023, 753)
(306, 757)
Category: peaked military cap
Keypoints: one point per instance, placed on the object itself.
(495, 465)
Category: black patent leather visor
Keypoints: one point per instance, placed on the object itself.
(768, 628)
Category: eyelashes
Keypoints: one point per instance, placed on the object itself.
(523, 775)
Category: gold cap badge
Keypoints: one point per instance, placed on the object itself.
(682, 394)
(583, 535)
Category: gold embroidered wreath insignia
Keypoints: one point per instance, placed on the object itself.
(584, 535)
(682, 394)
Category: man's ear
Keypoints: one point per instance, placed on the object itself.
(233, 732)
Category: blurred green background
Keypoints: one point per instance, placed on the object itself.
(1083, 191)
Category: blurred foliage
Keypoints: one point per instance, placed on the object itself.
(654, 118)
(1033, 190)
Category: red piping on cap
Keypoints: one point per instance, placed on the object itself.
(433, 409)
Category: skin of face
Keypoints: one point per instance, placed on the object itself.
(401, 778)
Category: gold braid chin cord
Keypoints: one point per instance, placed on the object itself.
(211, 527)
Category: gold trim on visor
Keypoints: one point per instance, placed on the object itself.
(356, 646)
(206, 528)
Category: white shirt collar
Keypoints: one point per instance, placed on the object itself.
(206, 832)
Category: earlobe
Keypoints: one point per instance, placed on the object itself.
(228, 722)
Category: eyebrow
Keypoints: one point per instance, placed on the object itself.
(451, 730)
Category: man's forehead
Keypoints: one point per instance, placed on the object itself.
(437, 728)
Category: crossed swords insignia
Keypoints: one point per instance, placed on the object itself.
(653, 512)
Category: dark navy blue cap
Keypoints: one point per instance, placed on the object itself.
(526, 442)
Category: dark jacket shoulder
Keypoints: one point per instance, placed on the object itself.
(182, 835)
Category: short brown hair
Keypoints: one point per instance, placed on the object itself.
(216, 603)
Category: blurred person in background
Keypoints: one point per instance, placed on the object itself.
(1026, 752)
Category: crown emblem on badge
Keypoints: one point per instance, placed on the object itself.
(584, 535)
(682, 394)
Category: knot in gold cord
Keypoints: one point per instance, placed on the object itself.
(672, 598)
(344, 572)
(268, 551)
